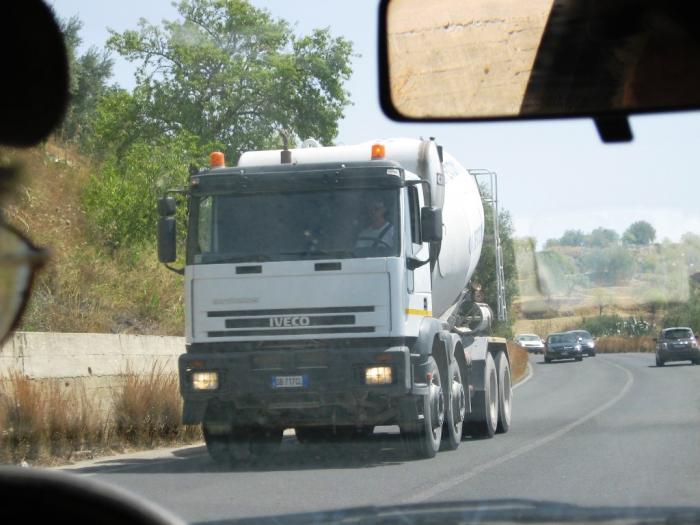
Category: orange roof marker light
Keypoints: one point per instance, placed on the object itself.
(378, 151)
(216, 160)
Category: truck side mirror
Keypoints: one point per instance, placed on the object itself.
(167, 206)
(167, 251)
(431, 224)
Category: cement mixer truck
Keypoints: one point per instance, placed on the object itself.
(327, 291)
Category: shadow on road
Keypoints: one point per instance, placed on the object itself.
(569, 361)
(380, 449)
(671, 365)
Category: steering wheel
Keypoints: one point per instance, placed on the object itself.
(374, 240)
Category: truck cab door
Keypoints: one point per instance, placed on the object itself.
(418, 280)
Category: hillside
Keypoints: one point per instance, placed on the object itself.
(561, 286)
(86, 287)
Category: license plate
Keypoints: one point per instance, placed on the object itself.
(290, 381)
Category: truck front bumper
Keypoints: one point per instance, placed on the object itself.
(298, 386)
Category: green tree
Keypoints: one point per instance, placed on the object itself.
(231, 75)
(485, 273)
(557, 273)
(610, 266)
(639, 233)
(602, 237)
(226, 76)
(572, 238)
(89, 74)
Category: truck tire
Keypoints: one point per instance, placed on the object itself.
(547, 360)
(455, 408)
(424, 436)
(505, 393)
(217, 445)
(659, 361)
(483, 421)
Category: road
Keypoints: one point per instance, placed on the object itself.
(610, 431)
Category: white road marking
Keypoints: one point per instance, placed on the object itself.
(458, 480)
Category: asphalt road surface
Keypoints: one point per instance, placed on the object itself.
(613, 430)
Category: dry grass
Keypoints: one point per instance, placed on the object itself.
(619, 344)
(147, 410)
(45, 422)
(86, 288)
(518, 361)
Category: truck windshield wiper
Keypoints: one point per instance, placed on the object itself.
(318, 254)
(224, 258)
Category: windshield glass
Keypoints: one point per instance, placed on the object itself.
(678, 333)
(292, 226)
(582, 334)
(562, 339)
(528, 338)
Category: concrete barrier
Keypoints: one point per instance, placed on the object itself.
(91, 363)
(44, 355)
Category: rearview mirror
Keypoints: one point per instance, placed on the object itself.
(167, 251)
(494, 59)
(431, 224)
(167, 206)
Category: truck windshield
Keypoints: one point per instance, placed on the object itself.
(337, 224)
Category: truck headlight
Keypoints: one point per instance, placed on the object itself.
(205, 380)
(378, 375)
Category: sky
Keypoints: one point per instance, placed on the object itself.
(552, 175)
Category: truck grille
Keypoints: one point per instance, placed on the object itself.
(291, 321)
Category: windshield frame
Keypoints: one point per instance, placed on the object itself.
(294, 179)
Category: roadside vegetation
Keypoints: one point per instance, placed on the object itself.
(46, 422)
(622, 288)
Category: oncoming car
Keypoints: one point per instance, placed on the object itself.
(587, 342)
(530, 342)
(677, 344)
(563, 345)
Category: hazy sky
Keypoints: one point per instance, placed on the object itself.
(553, 175)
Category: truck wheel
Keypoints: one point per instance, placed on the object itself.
(217, 445)
(484, 418)
(547, 360)
(423, 438)
(505, 393)
(455, 409)
(659, 361)
(579, 358)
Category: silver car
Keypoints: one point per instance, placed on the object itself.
(530, 342)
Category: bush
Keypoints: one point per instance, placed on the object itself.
(615, 325)
(147, 409)
(45, 421)
(619, 344)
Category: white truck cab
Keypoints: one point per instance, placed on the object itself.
(321, 294)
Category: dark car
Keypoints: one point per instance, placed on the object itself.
(587, 342)
(563, 345)
(677, 344)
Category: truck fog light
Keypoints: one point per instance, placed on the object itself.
(378, 375)
(205, 380)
